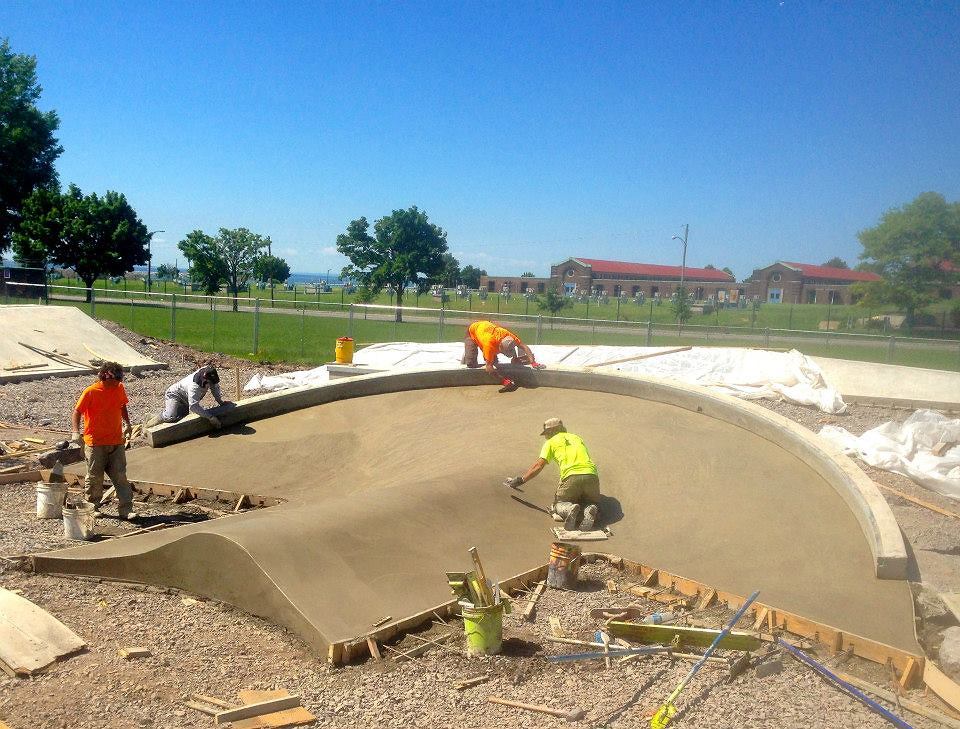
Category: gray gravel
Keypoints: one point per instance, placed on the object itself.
(212, 648)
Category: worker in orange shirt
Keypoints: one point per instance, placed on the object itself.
(494, 340)
(106, 427)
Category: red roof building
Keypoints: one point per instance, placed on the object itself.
(805, 283)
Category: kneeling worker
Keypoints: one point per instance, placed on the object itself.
(579, 483)
(184, 397)
(494, 340)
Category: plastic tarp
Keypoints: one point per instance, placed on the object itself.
(907, 448)
(746, 373)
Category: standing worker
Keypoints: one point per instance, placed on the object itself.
(106, 425)
(579, 483)
(184, 397)
(494, 340)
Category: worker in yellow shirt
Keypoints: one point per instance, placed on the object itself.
(494, 340)
(579, 487)
(106, 426)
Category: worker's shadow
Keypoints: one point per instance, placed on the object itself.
(233, 430)
(610, 510)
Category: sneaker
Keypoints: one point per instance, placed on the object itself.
(570, 524)
(589, 517)
(557, 517)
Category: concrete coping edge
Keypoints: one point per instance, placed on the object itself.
(863, 498)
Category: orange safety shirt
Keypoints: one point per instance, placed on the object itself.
(488, 336)
(102, 408)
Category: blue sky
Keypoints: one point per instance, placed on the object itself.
(528, 131)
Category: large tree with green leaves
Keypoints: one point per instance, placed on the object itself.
(240, 249)
(470, 276)
(207, 268)
(405, 248)
(836, 262)
(95, 236)
(916, 249)
(28, 148)
(271, 269)
(450, 276)
(554, 301)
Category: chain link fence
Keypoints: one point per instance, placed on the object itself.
(306, 330)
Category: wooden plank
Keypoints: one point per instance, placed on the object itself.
(910, 675)
(708, 597)
(288, 717)
(667, 634)
(556, 629)
(908, 704)
(638, 357)
(256, 709)
(213, 700)
(130, 653)
(30, 637)
(944, 687)
(374, 649)
(761, 614)
(528, 611)
(919, 502)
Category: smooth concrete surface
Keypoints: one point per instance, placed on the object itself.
(67, 330)
(387, 492)
(884, 384)
(860, 494)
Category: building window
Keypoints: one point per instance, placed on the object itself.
(541, 287)
(491, 285)
(570, 273)
(775, 277)
(812, 297)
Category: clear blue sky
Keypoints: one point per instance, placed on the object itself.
(528, 131)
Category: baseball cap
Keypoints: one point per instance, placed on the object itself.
(551, 423)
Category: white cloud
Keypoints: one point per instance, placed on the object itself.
(331, 251)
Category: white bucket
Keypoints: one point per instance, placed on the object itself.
(50, 498)
(78, 520)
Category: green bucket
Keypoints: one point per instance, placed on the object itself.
(484, 629)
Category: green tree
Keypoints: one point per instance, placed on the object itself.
(916, 249)
(681, 305)
(470, 276)
(527, 274)
(166, 272)
(271, 268)
(95, 236)
(727, 271)
(450, 276)
(553, 301)
(239, 249)
(207, 268)
(709, 267)
(28, 148)
(836, 262)
(405, 247)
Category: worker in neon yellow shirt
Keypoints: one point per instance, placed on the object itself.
(579, 487)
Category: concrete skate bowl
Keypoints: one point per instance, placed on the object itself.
(389, 479)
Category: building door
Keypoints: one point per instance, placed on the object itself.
(774, 296)
(569, 288)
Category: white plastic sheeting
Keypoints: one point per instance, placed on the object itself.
(746, 373)
(907, 448)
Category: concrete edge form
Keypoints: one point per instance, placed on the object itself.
(862, 497)
(75, 372)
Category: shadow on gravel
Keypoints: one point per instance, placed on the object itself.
(520, 647)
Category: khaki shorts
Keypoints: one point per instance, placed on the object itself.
(579, 488)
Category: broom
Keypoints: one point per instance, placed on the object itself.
(667, 710)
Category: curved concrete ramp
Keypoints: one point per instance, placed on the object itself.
(387, 492)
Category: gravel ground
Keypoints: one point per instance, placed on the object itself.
(202, 646)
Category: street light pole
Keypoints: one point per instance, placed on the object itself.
(683, 265)
(150, 254)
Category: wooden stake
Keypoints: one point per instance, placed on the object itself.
(485, 591)
(532, 604)
(374, 649)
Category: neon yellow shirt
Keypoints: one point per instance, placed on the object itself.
(569, 453)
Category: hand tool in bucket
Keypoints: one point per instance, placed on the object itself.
(667, 710)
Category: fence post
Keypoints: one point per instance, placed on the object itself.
(130, 296)
(890, 348)
(649, 332)
(539, 327)
(440, 324)
(303, 321)
(213, 305)
(256, 325)
(350, 321)
(173, 317)
(766, 337)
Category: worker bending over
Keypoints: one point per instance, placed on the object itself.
(494, 340)
(579, 487)
(106, 425)
(184, 397)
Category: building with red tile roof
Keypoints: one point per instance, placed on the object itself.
(805, 283)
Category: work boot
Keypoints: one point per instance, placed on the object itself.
(589, 517)
(570, 524)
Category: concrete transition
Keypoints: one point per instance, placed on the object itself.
(75, 340)
(391, 478)
(884, 384)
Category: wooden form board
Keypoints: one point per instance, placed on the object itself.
(288, 717)
(30, 637)
(775, 619)
(344, 651)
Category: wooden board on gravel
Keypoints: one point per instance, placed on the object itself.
(290, 717)
(30, 637)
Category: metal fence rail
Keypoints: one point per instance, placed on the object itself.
(252, 326)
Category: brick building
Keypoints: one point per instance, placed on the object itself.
(514, 284)
(805, 283)
(595, 276)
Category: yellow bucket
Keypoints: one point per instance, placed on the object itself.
(484, 629)
(344, 350)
